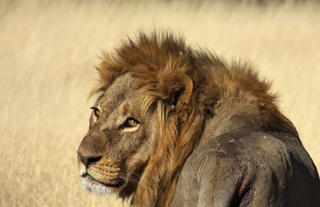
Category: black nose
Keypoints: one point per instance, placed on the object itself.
(88, 160)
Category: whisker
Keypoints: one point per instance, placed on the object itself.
(132, 178)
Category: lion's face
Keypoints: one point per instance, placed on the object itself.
(118, 144)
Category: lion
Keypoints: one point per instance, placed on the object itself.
(175, 126)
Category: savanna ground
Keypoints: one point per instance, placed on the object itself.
(48, 50)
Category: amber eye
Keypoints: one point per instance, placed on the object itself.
(96, 111)
(130, 123)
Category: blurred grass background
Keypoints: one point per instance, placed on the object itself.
(48, 50)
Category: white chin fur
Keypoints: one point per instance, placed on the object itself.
(95, 187)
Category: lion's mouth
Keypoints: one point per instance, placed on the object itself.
(100, 180)
(99, 187)
(114, 184)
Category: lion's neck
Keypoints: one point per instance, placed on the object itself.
(230, 117)
(242, 114)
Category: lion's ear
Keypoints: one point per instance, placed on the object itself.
(175, 88)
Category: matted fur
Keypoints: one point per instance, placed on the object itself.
(186, 87)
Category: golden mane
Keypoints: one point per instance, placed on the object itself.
(185, 87)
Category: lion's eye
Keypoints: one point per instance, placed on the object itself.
(96, 111)
(130, 123)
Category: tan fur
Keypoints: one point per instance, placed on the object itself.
(186, 87)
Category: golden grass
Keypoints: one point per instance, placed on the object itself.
(48, 50)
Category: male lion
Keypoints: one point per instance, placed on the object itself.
(178, 127)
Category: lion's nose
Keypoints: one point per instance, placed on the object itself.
(91, 150)
(88, 160)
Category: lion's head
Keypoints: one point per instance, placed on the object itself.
(143, 123)
(155, 95)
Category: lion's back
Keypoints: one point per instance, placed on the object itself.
(249, 168)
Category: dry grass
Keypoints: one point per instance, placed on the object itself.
(48, 52)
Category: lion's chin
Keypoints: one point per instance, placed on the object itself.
(96, 187)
